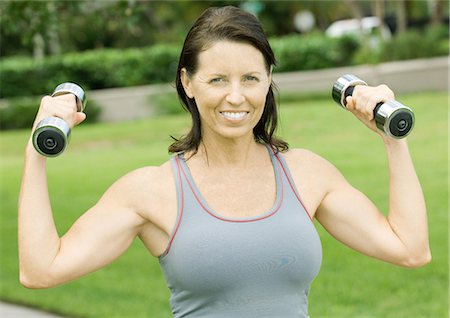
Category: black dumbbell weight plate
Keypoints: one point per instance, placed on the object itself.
(51, 142)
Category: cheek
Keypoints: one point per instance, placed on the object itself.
(258, 97)
(207, 104)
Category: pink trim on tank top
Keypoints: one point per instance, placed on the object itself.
(292, 186)
(181, 212)
(265, 216)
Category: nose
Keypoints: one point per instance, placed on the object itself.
(235, 95)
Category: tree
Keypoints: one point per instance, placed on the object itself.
(34, 23)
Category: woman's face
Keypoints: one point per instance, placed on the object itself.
(229, 88)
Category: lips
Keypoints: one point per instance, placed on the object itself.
(235, 116)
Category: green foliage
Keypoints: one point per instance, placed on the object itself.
(167, 104)
(22, 20)
(314, 51)
(97, 69)
(417, 44)
(91, 69)
(106, 68)
(20, 112)
(87, 25)
(413, 44)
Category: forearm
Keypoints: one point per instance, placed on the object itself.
(37, 234)
(407, 211)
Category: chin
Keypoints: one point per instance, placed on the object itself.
(235, 133)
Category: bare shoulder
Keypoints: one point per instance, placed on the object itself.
(149, 177)
(299, 158)
(146, 189)
(313, 175)
(305, 163)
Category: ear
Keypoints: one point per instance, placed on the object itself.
(186, 81)
(270, 74)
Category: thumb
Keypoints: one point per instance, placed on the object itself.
(79, 117)
(349, 103)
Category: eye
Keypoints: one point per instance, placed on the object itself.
(217, 80)
(250, 78)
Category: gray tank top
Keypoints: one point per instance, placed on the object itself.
(216, 266)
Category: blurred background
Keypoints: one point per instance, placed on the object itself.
(108, 44)
(125, 53)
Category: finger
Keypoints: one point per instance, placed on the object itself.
(357, 97)
(67, 96)
(63, 107)
(371, 103)
(385, 92)
(67, 99)
(50, 104)
(365, 99)
(79, 118)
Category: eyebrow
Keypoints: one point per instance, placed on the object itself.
(221, 74)
(253, 72)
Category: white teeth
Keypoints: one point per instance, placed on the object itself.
(234, 115)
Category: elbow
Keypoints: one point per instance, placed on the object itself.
(29, 283)
(26, 282)
(34, 281)
(418, 261)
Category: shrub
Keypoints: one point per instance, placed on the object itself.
(167, 104)
(91, 69)
(314, 51)
(106, 68)
(20, 112)
(413, 44)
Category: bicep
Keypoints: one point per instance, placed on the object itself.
(349, 216)
(98, 237)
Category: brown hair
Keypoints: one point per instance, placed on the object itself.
(233, 24)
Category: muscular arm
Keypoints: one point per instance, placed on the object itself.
(402, 237)
(98, 237)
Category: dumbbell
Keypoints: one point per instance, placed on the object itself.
(52, 134)
(391, 117)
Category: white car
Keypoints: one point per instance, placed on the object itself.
(370, 26)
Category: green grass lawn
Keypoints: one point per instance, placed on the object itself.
(349, 285)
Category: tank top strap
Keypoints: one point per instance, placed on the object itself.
(290, 181)
(176, 170)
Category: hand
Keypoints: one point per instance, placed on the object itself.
(62, 106)
(364, 100)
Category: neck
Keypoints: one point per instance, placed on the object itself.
(231, 152)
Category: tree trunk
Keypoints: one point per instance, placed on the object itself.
(54, 45)
(355, 9)
(437, 12)
(378, 7)
(38, 47)
(402, 20)
(357, 14)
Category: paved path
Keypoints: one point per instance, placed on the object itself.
(15, 311)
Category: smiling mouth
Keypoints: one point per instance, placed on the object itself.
(234, 115)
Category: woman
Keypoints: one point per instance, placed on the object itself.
(229, 216)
